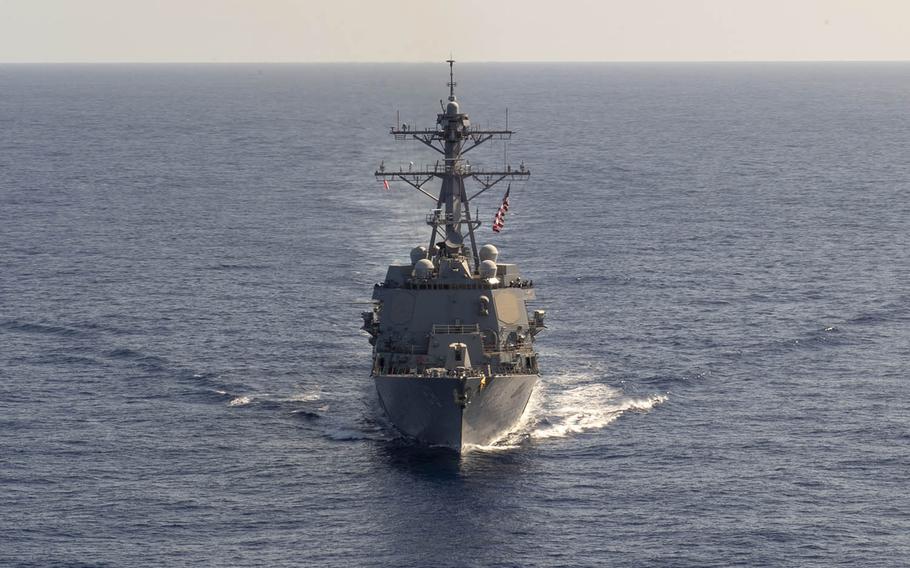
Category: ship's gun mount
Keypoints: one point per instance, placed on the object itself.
(458, 358)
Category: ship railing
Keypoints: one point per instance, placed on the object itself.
(438, 372)
(442, 329)
(433, 285)
(438, 217)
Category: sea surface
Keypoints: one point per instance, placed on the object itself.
(723, 251)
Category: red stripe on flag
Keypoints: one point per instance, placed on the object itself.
(499, 220)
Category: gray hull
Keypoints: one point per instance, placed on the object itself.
(455, 412)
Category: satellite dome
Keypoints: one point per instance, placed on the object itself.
(423, 268)
(488, 269)
(417, 253)
(451, 107)
(489, 252)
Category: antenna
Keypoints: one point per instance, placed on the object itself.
(451, 82)
(453, 137)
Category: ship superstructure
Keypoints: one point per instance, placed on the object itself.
(453, 356)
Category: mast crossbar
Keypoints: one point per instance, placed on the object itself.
(453, 137)
(412, 174)
(429, 142)
(403, 176)
(490, 182)
(435, 134)
(477, 142)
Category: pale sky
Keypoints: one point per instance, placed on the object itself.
(474, 30)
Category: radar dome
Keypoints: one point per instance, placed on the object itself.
(423, 268)
(489, 252)
(418, 253)
(488, 269)
(452, 107)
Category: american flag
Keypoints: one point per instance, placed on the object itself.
(385, 184)
(500, 219)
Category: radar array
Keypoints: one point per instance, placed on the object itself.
(453, 137)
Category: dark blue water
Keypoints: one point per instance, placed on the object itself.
(722, 251)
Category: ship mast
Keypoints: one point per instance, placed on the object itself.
(453, 137)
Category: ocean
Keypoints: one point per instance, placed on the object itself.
(723, 251)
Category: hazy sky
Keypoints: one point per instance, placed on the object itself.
(475, 30)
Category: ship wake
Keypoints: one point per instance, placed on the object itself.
(572, 404)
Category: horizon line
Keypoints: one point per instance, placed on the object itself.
(422, 62)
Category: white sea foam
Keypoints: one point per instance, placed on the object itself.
(560, 410)
(504, 445)
(296, 397)
(303, 397)
(269, 397)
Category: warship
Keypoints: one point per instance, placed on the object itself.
(453, 343)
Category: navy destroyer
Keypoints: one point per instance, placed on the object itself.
(453, 355)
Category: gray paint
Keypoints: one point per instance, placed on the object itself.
(440, 303)
(455, 412)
